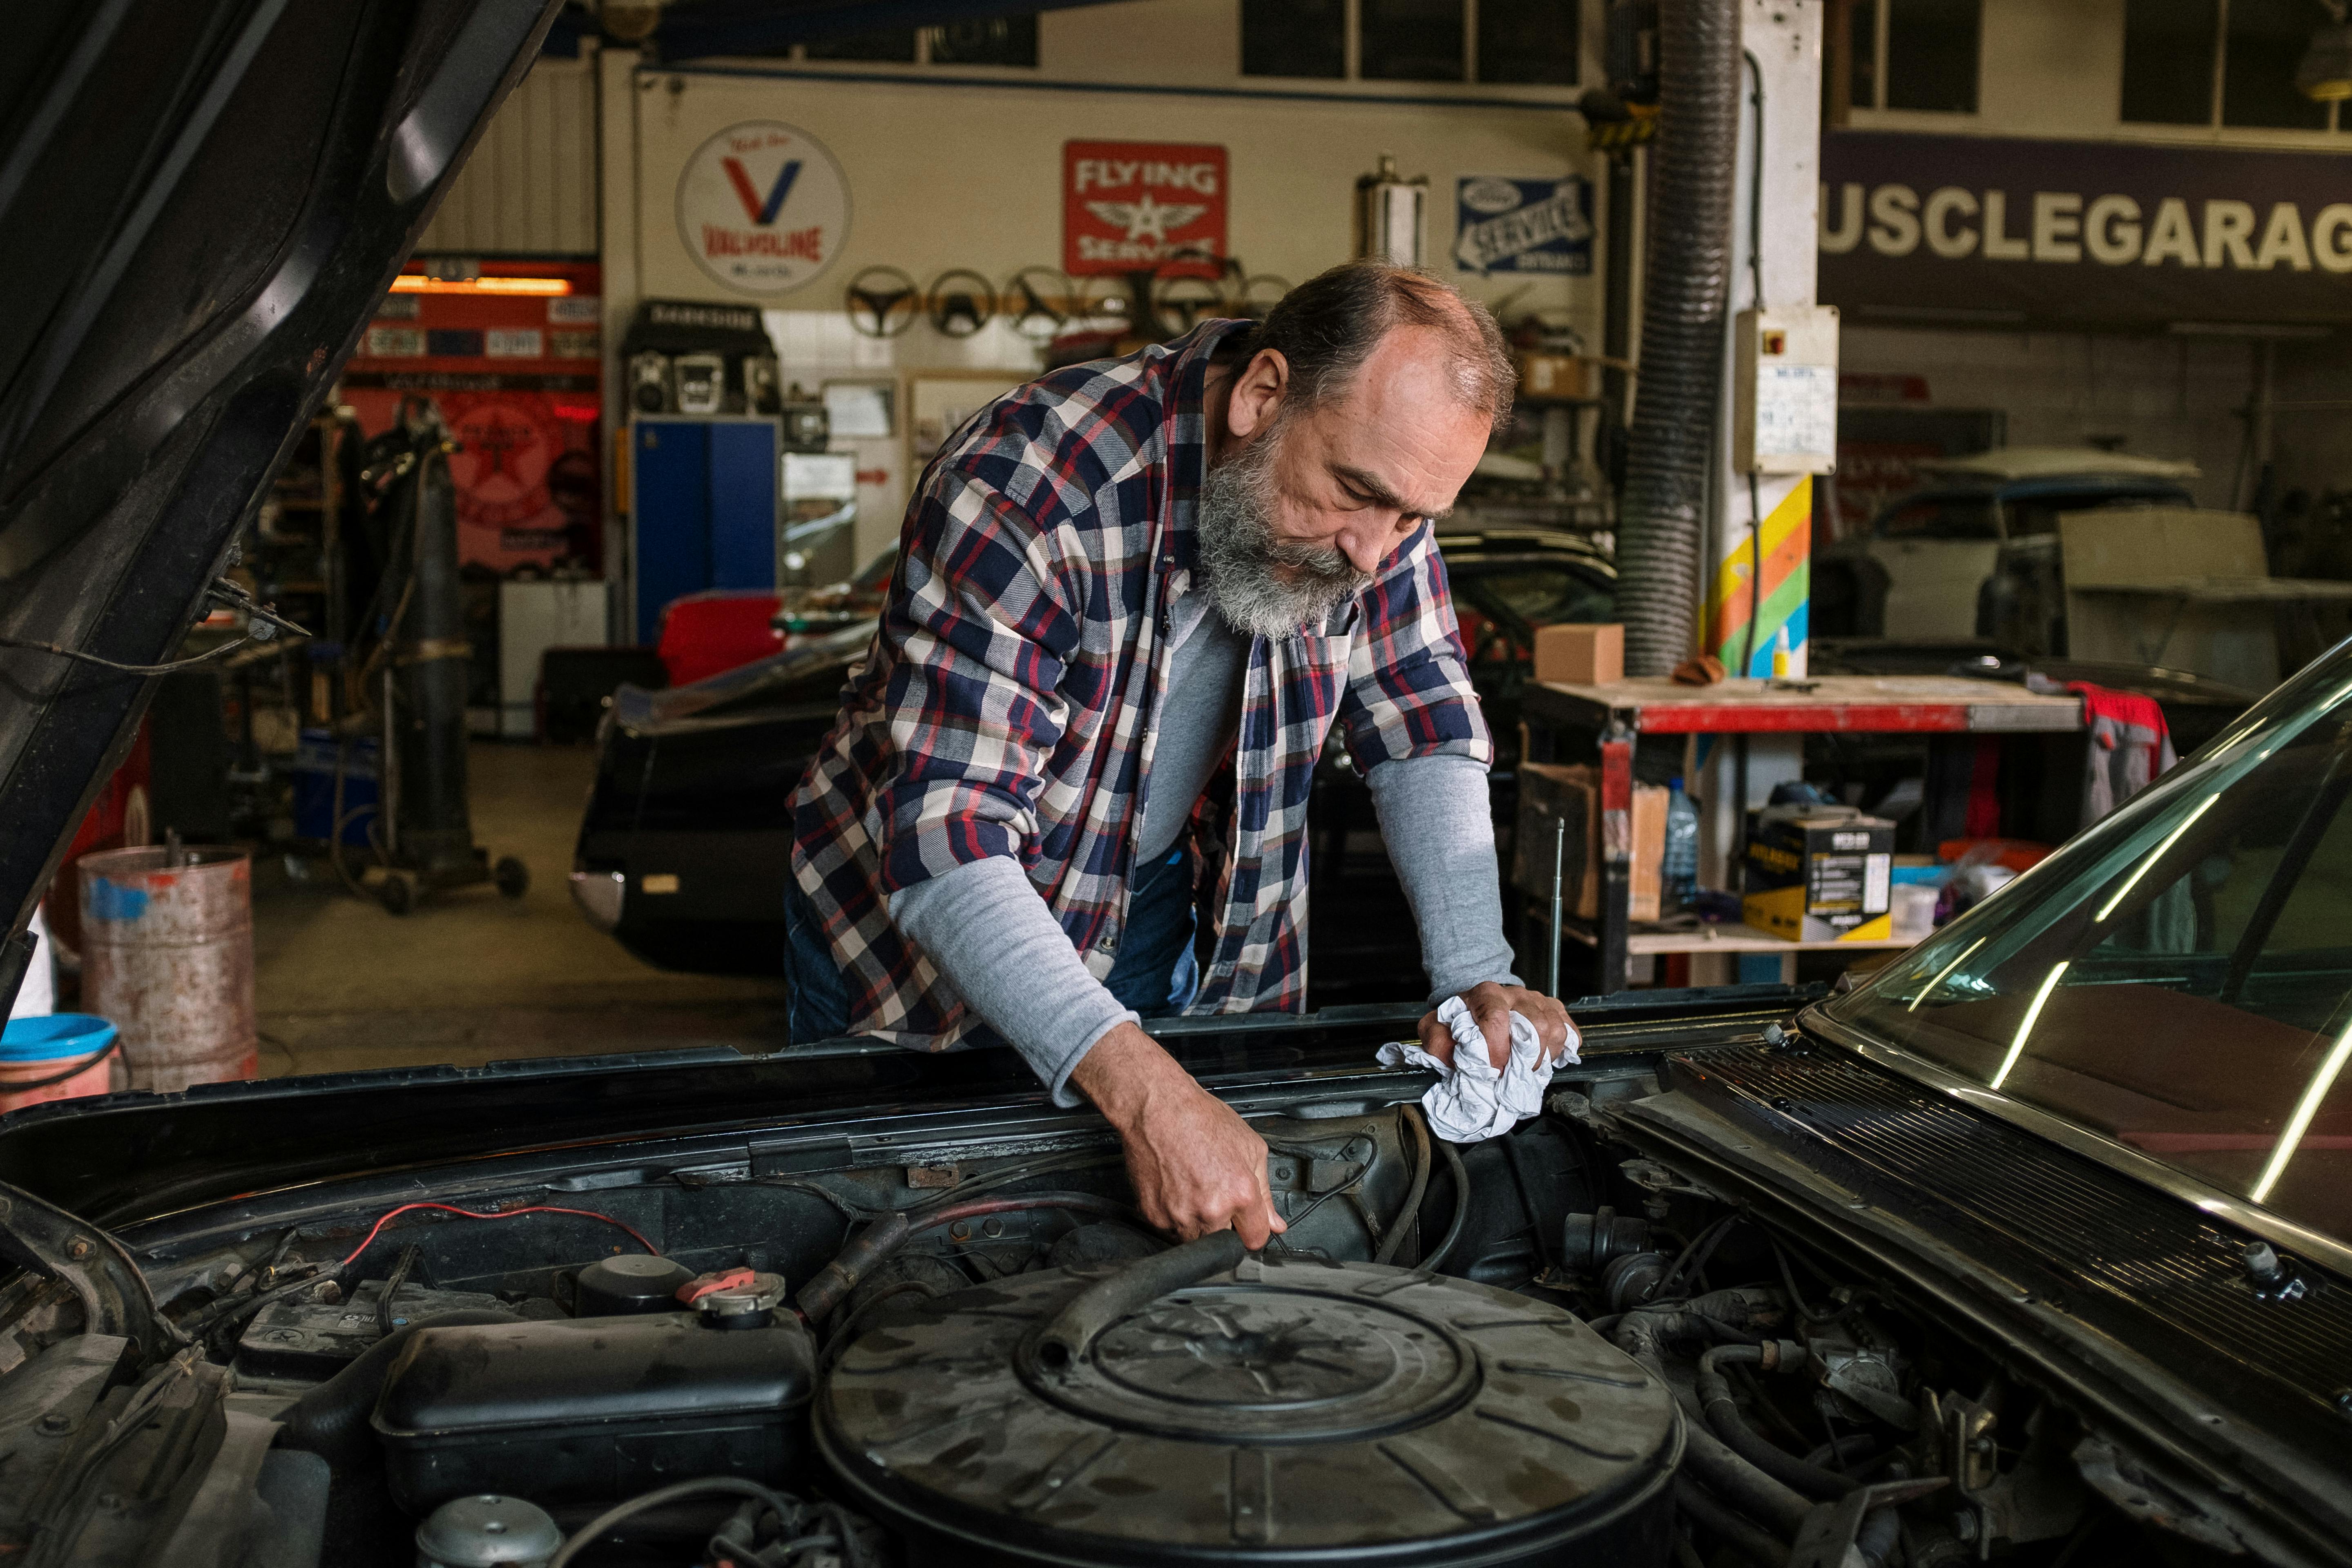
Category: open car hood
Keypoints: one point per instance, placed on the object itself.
(207, 199)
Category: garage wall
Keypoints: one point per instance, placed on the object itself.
(962, 167)
(2166, 397)
(530, 187)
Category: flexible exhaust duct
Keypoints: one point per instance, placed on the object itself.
(1686, 277)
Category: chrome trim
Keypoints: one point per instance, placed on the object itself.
(2310, 1245)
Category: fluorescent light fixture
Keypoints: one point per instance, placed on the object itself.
(1948, 969)
(2032, 1016)
(2324, 72)
(2152, 856)
(2291, 1136)
(417, 283)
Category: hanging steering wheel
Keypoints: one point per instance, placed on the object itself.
(1182, 300)
(882, 301)
(1258, 295)
(1104, 304)
(960, 302)
(1037, 300)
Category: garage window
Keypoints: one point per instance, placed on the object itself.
(2219, 62)
(1915, 54)
(1529, 42)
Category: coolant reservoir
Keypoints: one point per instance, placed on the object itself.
(1285, 1410)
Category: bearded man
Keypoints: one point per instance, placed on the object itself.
(1132, 598)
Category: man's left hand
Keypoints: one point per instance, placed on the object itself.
(1492, 1006)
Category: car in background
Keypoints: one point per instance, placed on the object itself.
(1975, 551)
(686, 843)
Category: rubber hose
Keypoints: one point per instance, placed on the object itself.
(1685, 280)
(1727, 1526)
(330, 1420)
(832, 1284)
(1422, 1158)
(1723, 1415)
(1141, 1283)
(1723, 1471)
(1461, 1203)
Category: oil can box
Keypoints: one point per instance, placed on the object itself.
(1819, 873)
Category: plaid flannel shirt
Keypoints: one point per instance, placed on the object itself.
(1010, 701)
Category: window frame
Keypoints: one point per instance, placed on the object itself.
(1352, 54)
(2217, 94)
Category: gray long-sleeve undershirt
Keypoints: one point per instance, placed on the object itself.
(990, 934)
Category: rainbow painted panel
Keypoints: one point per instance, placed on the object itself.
(1787, 588)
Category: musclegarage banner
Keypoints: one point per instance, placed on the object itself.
(1138, 206)
(1998, 229)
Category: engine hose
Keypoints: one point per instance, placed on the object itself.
(1685, 280)
(1422, 1158)
(831, 1285)
(1141, 1283)
(1723, 1415)
(331, 1420)
(1723, 1472)
(1727, 1526)
(1461, 1205)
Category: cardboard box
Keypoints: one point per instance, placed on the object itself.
(1547, 377)
(1647, 899)
(1819, 873)
(1574, 654)
(1550, 794)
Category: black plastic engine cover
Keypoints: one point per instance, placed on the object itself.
(1291, 1411)
(593, 1409)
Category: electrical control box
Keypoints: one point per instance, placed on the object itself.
(1785, 391)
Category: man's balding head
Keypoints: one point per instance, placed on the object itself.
(1327, 327)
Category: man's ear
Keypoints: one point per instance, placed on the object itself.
(1257, 393)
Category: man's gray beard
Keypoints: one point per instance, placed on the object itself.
(1240, 552)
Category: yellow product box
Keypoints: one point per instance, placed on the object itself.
(1819, 873)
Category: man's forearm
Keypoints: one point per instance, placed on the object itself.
(984, 927)
(1440, 831)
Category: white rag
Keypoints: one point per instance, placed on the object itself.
(1471, 1100)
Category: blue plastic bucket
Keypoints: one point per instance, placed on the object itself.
(56, 1057)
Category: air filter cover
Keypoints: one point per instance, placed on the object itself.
(1291, 1411)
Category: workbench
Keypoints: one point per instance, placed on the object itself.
(1577, 720)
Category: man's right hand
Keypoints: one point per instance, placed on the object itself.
(1196, 1164)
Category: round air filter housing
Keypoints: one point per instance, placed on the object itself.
(1285, 1412)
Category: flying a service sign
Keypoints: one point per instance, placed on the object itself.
(762, 207)
(1133, 207)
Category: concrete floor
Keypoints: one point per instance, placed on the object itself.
(472, 977)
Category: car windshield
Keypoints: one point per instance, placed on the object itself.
(2179, 978)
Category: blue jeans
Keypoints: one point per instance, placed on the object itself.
(1155, 974)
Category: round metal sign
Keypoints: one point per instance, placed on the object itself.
(762, 207)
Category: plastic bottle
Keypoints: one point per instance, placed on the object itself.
(1781, 654)
(1681, 867)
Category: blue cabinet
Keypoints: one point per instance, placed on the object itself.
(702, 508)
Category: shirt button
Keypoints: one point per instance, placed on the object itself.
(1107, 944)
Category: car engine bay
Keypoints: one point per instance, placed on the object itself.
(1551, 1347)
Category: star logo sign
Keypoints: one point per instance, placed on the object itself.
(1147, 219)
(760, 210)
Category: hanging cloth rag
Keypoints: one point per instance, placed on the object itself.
(1472, 1098)
(2130, 746)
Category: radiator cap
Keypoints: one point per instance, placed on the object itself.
(1288, 1410)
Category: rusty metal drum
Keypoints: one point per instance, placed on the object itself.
(167, 958)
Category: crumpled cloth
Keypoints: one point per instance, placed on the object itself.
(1471, 1100)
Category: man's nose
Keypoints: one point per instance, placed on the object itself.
(1365, 548)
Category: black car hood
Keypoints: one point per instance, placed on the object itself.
(205, 199)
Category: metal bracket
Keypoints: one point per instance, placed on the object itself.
(1826, 1538)
(37, 1235)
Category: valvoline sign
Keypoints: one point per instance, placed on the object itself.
(1130, 207)
(762, 207)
